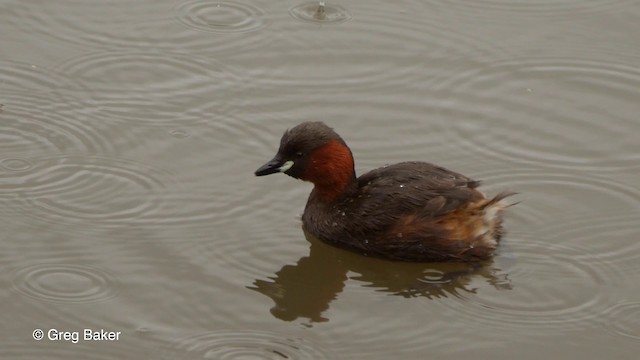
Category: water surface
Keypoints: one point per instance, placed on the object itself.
(130, 131)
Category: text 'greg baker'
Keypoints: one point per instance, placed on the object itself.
(74, 336)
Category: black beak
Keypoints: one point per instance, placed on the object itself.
(272, 167)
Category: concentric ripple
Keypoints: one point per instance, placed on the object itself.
(39, 114)
(64, 283)
(564, 195)
(624, 320)
(245, 344)
(323, 13)
(86, 191)
(220, 16)
(555, 287)
(15, 164)
(391, 51)
(42, 122)
(564, 113)
(612, 235)
(144, 24)
(154, 88)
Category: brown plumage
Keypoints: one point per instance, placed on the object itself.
(412, 211)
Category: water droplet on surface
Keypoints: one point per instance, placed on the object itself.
(343, 213)
(320, 13)
(401, 185)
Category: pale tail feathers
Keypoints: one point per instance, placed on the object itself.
(497, 200)
(491, 232)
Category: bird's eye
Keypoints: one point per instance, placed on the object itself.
(299, 154)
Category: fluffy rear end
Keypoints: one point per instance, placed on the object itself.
(489, 233)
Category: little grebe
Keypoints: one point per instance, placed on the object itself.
(411, 211)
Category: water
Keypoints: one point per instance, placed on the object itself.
(319, 12)
(130, 131)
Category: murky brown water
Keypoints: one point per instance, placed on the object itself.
(131, 129)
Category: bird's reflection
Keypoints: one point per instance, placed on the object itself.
(306, 289)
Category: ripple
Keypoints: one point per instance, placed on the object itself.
(555, 112)
(64, 283)
(548, 198)
(86, 191)
(23, 347)
(374, 140)
(15, 164)
(390, 52)
(323, 14)
(220, 16)
(555, 288)
(624, 320)
(620, 229)
(151, 271)
(203, 208)
(151, 88)
(16, 75)
(245, 344)
(547, 8)
(26, 350)
(215, 220)
(38, 116)
(312, 68)
(41, 122)
(195, 211)
(180, 134)
(85, 25)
